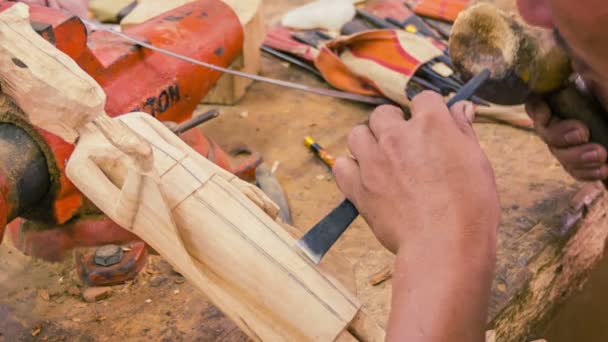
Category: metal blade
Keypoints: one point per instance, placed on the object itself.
(319, 91)
(317, 242)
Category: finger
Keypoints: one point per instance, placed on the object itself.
(537, 12)
(539, 112)
(581, 157)
(463, 113)
(348, 177)
(590, 175)
(565, 133)
(429, 105)
(555, 132)
(362, 144)
(384, 118)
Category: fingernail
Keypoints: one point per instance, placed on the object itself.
(575, 137)
(591, 156)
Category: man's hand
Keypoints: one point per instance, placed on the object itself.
(568, 140)
(407, 175)
(428, 192)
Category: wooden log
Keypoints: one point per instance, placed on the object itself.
(215, 229)
(229, 89)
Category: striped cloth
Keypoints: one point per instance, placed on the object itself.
(378, 62)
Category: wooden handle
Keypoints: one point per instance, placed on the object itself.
(571, 103)
(52, 90)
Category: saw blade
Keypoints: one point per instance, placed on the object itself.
(319, 91)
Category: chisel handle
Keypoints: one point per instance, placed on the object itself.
(318, 240)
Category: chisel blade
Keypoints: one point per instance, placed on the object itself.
(318, 240)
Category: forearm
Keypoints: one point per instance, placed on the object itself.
(441, 286)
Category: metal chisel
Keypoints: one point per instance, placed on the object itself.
(318, 240)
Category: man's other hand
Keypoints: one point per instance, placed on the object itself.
(568, 140)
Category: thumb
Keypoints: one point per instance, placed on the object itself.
(463, 113)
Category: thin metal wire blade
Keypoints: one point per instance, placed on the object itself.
(320, 91)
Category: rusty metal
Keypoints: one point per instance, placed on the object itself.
(195, 122)
(134, 79)
(285, 84)
(24, 174)
(133, 260)
(108, 255)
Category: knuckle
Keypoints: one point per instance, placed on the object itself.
(370, 184)
(423, 103)
(354, 137)
(429, 122)
(385, 109)
(392, 139)
(427, 96)
(339, 167)
(383, 112)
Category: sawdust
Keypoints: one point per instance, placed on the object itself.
(35, 301)
(278, 120)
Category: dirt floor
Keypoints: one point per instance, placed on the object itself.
(41, 301)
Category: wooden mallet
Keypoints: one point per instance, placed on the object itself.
(524, 61)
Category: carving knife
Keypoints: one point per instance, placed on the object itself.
(320, 238)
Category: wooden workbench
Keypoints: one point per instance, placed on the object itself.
(545, 249)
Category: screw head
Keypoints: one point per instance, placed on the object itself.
(108, 255)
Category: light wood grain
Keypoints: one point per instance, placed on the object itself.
(56, 95)
(216, 230)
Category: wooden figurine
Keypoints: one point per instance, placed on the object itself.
(212, 227)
